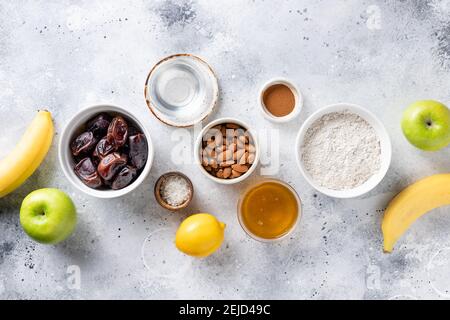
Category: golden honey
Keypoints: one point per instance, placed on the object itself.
(269, 210)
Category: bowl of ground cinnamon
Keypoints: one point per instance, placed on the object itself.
(280, 100)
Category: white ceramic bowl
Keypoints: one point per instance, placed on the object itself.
(70, 131)
(385, 144)
(198, 146)
(297, 95)
(181, 90)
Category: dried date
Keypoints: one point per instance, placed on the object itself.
(138, 150)
(118, 131)
(99, 124)
(83, 143)
(124, 177)
(87, 172)
(111, 164)
(103, 148)
(111, 153)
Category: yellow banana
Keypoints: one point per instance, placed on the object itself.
(28, 154)
(412, 203)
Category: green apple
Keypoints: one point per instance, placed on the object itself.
(426, 125)
(48, 215)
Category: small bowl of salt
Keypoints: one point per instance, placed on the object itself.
(174, 191)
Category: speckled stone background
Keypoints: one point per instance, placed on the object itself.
(65, 55)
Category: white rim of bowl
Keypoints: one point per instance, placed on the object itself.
(159, 115)
(386, 151)
(198, 144)
(72, 125)
(297, 95)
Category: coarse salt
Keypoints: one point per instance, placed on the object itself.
(174, 190)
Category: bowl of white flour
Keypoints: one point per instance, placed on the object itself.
(343, 150)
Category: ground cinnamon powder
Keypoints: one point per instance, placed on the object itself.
(279, 100)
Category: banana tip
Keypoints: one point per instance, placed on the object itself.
(388, 249)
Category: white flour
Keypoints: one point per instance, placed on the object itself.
(341, 151)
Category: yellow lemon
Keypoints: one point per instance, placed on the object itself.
(200, 235)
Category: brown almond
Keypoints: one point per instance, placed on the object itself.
(240, 133)
(220, 149)
(218, 139)
(235, 174)
(239, 168)
(251, 158)
(238, 154)
(243, 159)
(225, 156)
(240, 144)
(213, 135)
(211, 144)
(212, 132)
(227, 163)
(232, 126)
(227, 172)
(250, 148)
(219, 174)
(213, 163)
(208, 152)
(205, 158)
(243, 139)
(230, 135)
(220, 157)
(208, 168)
(232, 147)
(228, 154)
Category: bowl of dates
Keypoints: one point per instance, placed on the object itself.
(105, 151)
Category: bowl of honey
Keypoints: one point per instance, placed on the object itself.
(269, 210)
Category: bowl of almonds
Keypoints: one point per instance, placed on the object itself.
(227, 151)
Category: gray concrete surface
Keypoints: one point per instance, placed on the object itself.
(65, 55)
